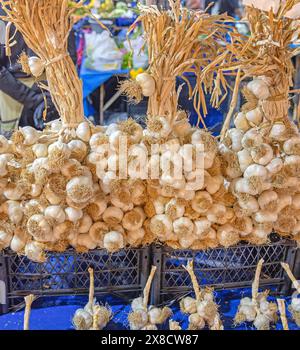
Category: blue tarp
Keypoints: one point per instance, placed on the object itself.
(57, 313)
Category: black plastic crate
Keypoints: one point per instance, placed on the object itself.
(122, 274)
(221, 268)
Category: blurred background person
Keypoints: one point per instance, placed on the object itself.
(22, 102)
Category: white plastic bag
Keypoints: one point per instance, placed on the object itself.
(139, 57)
(102, 52)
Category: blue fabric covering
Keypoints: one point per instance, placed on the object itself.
(57, 313)
(91, 80)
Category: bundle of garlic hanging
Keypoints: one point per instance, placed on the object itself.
(294, 307)
(57, 185)
(260, 155)
(144, 317)
(257, 309)
(202, 311)
(93, 316)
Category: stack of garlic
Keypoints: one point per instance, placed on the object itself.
(144, 317)
(261, 160)
(257, 309)
(202, 310)
(52, 196)
(193, 209)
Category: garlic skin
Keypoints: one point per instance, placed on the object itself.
(147, 83)
(196, 322)
(56, 213)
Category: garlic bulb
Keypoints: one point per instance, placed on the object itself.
(14, 211)
(235, 136)
(39, 227)
(138, 319)
(40, 150)
(113, 215)
(134, 219)
(227, 235)
(196, 322)
(245, 159)
(161, 225)
(5, 239)
(30, 135)
(274, 166)
(73, 214)
(252, 138)
(113, 241)
(35, 252)
(80, 189)
(268, 200)
(262, 154)
(174, 209)
(202, 202)
(56, 213)
(83, 131)
(82, 320)
(78, 149)
(255, 116)
(86, 241)
(36, 66)
(183, 226)
(4, 144)
(147, 83)
(188, 305)
(263, 216)
(259, 88)
(241, 122)
(18, 241)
